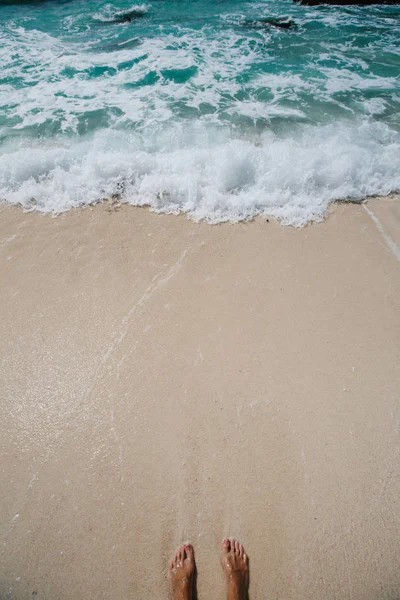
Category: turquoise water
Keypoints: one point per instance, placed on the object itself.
(198, 106)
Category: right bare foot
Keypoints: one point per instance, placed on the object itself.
(236, 568)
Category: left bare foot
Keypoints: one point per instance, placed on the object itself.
(181, 573)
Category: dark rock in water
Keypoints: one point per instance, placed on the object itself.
(124, 19)
(28, 2)
(277, 23)
(128, 16)
(263, 23)
(347, 2)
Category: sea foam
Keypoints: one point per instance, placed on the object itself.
(216, 177)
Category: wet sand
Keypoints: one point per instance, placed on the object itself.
(166, 381)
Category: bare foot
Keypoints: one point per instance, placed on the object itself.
(236, 568)
(181, 573)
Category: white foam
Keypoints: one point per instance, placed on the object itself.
(207, 173)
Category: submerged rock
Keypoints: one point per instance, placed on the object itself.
(263, 23)
(30, 2)
(128, 16)
(347, 2)
(124, 19)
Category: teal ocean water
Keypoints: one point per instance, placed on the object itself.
(207, 107)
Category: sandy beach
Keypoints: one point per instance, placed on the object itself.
(165, 381)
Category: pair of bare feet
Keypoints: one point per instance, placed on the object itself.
(235, 565)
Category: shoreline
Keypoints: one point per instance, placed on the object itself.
(165, 381)
(115, 202)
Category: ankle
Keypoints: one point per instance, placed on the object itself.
(182, 590)
(236, 589)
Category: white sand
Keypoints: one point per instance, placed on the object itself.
(167, 381)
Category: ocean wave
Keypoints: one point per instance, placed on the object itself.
(217, 113)
(208, 175)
